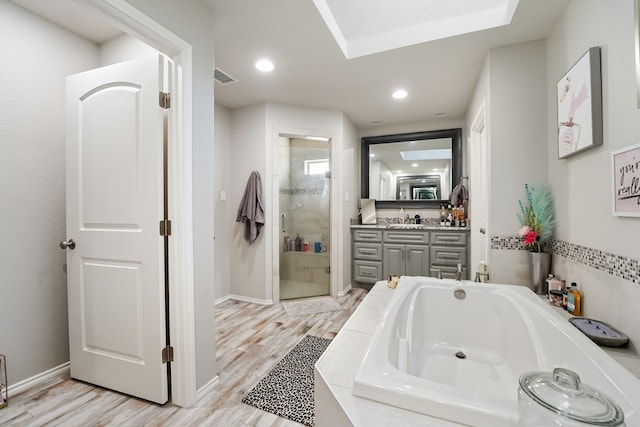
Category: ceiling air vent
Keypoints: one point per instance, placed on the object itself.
(222, 77)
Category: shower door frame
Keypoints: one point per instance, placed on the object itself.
(333, 204)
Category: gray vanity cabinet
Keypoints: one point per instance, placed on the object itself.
(405, 253)
(366, 246)
(448, 248)
(378, 252)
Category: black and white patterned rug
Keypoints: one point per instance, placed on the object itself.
(287, 390)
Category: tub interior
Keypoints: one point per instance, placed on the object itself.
(479, 343)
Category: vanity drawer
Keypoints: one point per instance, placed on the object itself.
(408, 237)
(361, 235)
(448, 255)
(367, 271)
(448, 238)
(369, 251)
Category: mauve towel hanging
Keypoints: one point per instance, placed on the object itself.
(251, 210)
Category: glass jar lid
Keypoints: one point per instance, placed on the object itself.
(563, 393)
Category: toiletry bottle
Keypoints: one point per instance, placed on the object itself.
(574, 300)
(549, 286)
(564, 294)
(285, 244)
(443, 215)
(298, 243)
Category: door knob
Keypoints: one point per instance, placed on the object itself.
(483, 230)
(70, 244)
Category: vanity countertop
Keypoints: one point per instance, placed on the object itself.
(409, 227)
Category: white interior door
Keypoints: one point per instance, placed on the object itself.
(115, 202)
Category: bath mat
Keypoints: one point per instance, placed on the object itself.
(311, 306)
(287, 390)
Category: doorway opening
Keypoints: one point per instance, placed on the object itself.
(305, 216)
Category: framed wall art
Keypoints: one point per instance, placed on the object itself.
(579, 99)
(625, 168)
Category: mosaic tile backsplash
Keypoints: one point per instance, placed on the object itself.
(616, 265)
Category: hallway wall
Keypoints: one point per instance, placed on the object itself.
(36, 56)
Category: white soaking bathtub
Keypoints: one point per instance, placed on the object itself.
(461, 359)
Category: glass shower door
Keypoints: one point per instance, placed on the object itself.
(305, 218)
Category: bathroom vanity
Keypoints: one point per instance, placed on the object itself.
(412, 250)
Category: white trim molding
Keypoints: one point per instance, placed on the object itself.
(248, 299)
(40, 380)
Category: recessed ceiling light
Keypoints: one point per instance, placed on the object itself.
(414, 165)
(398, 171)
(265, 65)
(400, 94)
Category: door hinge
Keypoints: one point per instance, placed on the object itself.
(165, 100)
(165, 227)
(167, 354)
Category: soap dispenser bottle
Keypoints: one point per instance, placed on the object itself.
(574, 300)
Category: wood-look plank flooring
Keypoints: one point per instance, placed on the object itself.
(250, 340)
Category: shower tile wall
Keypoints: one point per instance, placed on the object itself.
(304, 199)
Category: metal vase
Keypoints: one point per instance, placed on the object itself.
(539, 264)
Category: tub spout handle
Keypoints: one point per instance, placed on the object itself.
(438, 272)
(459, 272)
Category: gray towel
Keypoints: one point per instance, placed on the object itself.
(251, 209)
(459, 195)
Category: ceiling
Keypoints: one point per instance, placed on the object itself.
(363, 27)
(311, 69)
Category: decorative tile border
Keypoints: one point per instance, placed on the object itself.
(395, 220)
(616, 265)
(302, 191)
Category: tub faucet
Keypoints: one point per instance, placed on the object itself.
(459, 272)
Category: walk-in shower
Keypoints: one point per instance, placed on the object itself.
(304, 217)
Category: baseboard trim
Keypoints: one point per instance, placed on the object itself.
(345, 291)
(251, 300)
(39, 379)
(207, 388)
(221, 300)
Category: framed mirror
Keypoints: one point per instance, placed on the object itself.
(417, 169)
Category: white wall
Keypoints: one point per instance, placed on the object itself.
(254, 137)
(513, 87)
(349, 191)
(582, 183)
(248, 154)
(36, 56)
(224, 211)
(123, 48)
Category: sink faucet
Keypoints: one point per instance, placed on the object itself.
(438, 272)
(459, 272)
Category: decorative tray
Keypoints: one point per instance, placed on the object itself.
(599, 332)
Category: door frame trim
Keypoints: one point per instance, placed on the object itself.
(479, 127)
(181, 275)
